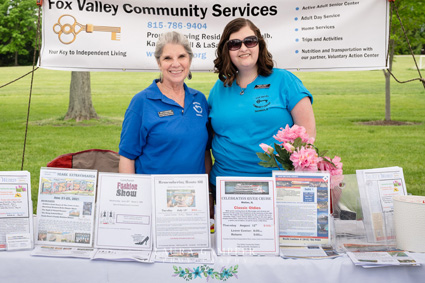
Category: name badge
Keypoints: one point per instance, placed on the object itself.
(262, 86)
(166, 113)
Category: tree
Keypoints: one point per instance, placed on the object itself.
(80, 103)
(412, 16)
(18, 27)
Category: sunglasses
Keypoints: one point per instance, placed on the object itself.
(236, 44)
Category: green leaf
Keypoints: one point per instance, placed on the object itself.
(263, 156)
(298, 143)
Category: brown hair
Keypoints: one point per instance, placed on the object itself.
(223, 64)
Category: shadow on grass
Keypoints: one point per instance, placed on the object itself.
(388, 123)
(60, 122)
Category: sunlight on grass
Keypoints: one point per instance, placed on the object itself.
(341, 101)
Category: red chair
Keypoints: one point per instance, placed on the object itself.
(100, 159)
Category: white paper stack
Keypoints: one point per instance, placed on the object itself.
(409, 220)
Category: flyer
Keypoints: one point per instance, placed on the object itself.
(122, 255)
(16, 216)
(247, 222)
(184, 256)
(377, 187)
(181, 212)
(57, 251)
(124, 212)
(65, 210)
(303, 205)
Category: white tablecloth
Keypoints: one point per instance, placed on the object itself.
(20, 266)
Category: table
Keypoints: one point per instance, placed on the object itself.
(20, 266)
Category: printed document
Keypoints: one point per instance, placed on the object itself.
(246, 216)
(303, 205)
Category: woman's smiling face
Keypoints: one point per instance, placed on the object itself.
(244, 58)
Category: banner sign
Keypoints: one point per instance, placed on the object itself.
(309, 35)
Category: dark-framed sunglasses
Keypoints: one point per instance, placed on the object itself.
(236, 44)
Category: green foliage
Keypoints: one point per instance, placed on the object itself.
(18, 27)
(412, 14)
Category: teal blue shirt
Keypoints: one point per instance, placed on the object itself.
(242, 122)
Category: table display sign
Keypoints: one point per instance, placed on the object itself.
(65, 209)
(180, 216)
(304, 206)
(377, 187)
(16, 220)
(123, 217)
(247, 222)
(124, 212)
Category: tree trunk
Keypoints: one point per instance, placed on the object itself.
(80, 104)
(16, 58)
(387, 97)
(387, 82)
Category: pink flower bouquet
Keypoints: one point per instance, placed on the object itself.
(296, 152)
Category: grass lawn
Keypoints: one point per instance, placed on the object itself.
(341, 101)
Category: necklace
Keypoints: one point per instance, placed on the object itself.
(244, 88)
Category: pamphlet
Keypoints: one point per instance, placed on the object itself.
(308, 252)
(181, 213)
(16, 218)
(184, 256)
(124, 212)
(303, 205)
(377, 187)
(246, 222)
(123, 255)
(57, 251)
(65, 210)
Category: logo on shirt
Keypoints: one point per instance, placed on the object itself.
(198, 108)
(261, 103)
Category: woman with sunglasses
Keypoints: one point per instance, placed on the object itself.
(251, 101)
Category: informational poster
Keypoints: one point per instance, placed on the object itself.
(112, 35)
(304, 207)
(16, 220)
(247, 222)
(181, 213)
(377, 187)
(124, 212)
(66, 206)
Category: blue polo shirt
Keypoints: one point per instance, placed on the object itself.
(161, 136)
(242, 122)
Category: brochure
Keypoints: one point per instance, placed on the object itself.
(377, 187)
(303, 205)
(181, 213)
(376, 258)
(65, 210)
(57, 251)
(308, 252)
(124, 212)
(123, 255)
(184, 256)
(246, 221)
(16, 217)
